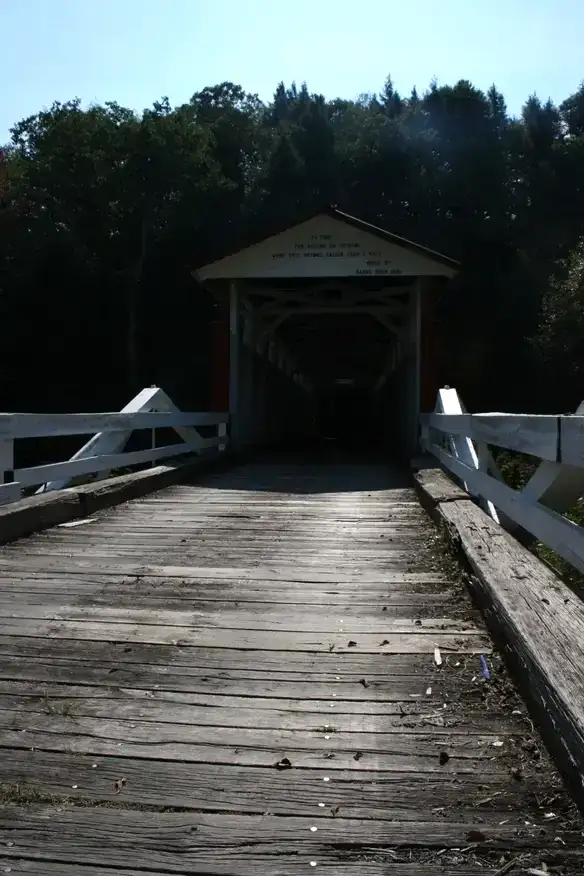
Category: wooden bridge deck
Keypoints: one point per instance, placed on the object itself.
(239, 677)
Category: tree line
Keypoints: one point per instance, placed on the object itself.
(104, 211)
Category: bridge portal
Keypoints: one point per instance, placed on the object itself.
(327, 329)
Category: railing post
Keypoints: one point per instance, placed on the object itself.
(234, 362)
(6, 460)
(417, 381)
(424, 436)
(222, 433)
(11, 490)
(554, 484)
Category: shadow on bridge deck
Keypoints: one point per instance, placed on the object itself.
(313, 469)
(241, 677)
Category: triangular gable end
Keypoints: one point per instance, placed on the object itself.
(329, 246)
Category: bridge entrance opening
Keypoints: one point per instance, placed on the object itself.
(325, 333)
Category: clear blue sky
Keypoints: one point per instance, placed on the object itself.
(135, 51)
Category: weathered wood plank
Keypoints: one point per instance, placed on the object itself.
(435, 488)
(382, 687)
(175, 598)
(377, 753)
(392, 586)
(249, 663)
(242, 712)
(220, 787)
(57, 868)
(178, 841)
(206, 554)
(191, 644)
(251, 864)
(372, 624)
(25, 561)
(474, 642)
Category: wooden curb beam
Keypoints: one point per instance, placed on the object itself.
(43, 511)
(38, 512)
(535, 618)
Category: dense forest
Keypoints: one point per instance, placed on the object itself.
(105, 211)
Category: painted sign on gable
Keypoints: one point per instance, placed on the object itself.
(324, 247)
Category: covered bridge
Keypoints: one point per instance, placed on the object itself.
(327, 326)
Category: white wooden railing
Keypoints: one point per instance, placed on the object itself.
(151, 409)
(460, 441)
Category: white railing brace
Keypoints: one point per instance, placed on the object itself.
(150, 409)
(460, 441)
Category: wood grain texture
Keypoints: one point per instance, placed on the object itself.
(249, 864)
(222, 787)
(541, 622)
(187, 842)
(194, 681)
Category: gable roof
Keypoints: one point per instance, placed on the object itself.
(390, 237)
(282, 254)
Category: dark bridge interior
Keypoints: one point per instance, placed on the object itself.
(333, 369)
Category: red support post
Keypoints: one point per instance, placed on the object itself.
(430, 378)
(220, 361)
